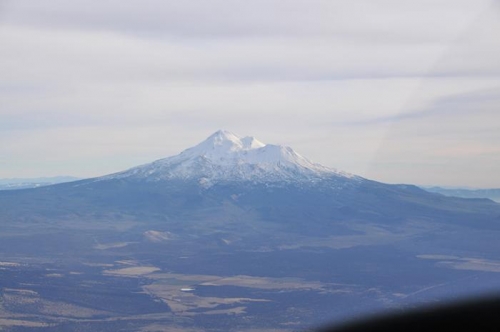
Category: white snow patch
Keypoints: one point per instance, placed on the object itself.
(156, 236)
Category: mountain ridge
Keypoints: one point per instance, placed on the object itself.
(26, 183)
(492, 193)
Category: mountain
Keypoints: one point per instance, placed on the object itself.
(493, 194)
(235, 233)
(19, 183)
(228, 177)
(226, 172)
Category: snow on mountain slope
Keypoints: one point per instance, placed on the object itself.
(225, 156)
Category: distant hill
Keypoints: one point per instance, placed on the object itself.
(493, 194)
(25, 183)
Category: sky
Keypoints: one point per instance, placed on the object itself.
(395, 91)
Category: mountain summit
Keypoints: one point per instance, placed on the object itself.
(224, 156)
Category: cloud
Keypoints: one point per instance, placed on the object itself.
(454, 140)
(354, 20)
(454, 105)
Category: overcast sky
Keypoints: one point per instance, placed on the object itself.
(396, 91)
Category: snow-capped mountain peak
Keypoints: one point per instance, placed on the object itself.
(224, 156)
(222, 143)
